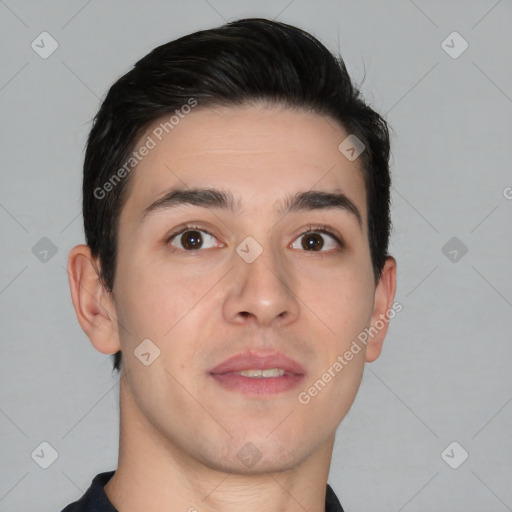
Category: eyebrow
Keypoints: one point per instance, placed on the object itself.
(215, 198)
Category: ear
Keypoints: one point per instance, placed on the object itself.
(384, 297)
(94, 305)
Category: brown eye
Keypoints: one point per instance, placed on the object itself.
(312, 241)
(193, 239)
(318, 240)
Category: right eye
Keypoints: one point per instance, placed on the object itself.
(192, 239)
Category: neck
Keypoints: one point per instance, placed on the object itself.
(155, 474)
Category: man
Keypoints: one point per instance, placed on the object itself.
(236, 212)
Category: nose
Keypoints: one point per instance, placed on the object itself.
(261, 292)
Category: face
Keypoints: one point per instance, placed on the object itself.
(207, 281)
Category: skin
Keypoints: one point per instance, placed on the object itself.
(180, 431)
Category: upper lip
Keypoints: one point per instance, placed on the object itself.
(253, 361)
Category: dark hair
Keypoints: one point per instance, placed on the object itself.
(239, 63)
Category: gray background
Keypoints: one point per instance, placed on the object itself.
(444, 374)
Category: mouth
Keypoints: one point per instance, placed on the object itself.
(258, 375)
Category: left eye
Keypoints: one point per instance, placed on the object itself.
(315, 241)
(193, 239)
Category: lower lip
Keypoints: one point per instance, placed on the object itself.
(258, 386)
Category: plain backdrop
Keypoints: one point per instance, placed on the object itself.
(444, 375)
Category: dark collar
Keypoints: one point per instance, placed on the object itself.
(95, 498)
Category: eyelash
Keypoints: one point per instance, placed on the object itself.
(313, 228)
(322, 228)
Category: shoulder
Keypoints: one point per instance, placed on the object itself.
(332, 503)
(95, 498)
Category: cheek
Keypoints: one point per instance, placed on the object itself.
(148, 301)
(158, 301)
(341, 309)
(340, 301)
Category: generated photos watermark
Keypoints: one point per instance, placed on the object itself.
(157, 135)
(304, 397)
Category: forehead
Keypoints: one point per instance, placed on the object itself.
(260, 154)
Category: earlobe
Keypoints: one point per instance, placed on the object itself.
(93, 304)
(384, 297)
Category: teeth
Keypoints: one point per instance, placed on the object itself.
(271, 372)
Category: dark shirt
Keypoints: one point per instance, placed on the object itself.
(95, 499)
